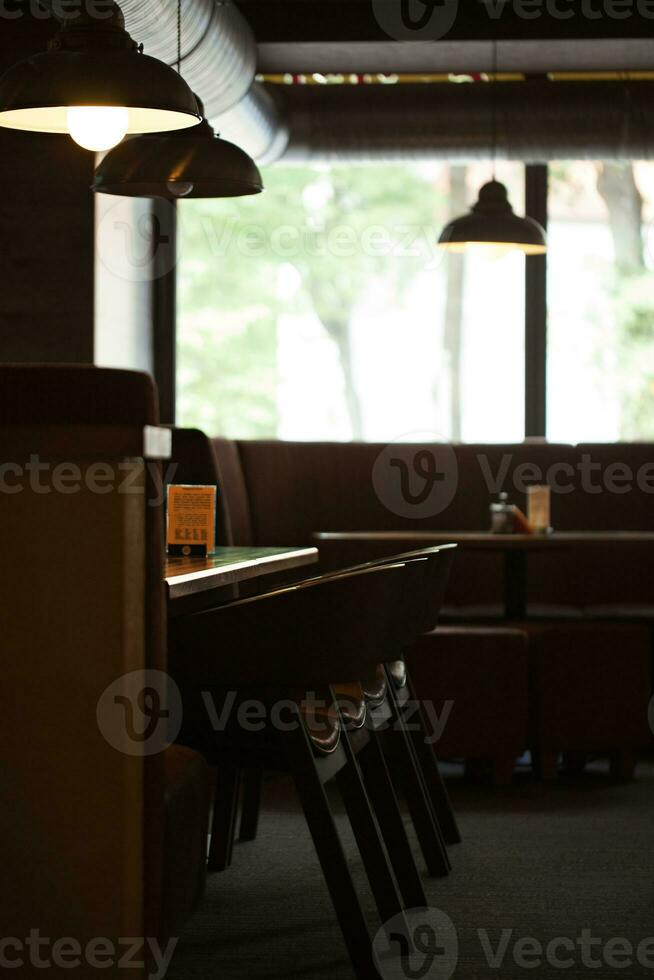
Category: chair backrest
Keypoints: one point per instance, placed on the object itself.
(418, 603)
(304, 636)
(83, 603)
(427, 574)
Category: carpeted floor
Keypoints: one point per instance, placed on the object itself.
(537, 861)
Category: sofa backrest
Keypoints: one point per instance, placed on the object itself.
(619, 492)
(193, 461)
(235, 492)
(296, 488)
(285, 491)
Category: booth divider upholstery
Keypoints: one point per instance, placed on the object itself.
(97, 843)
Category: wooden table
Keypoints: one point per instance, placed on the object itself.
(194, 577)
(515, 548)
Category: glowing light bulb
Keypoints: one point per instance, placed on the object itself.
(491, 251)
(180, 188)
(97, 127)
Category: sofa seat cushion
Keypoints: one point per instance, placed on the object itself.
(479, 612)
(352, 704)
(590, 686)
(621, 611)
(186, 826)
(323, 727)
(481, 673)
(397, 670)
(374, 686)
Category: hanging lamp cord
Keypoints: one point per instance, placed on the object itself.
(179, 37)
(494, 112)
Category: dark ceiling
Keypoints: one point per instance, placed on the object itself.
(534, 36)
(277, 21)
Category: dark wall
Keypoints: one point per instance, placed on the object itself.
(46, 231)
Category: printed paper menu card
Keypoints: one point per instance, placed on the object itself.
(538, 508)
(191, 522)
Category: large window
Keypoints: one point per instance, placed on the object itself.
(323, 310)
(601, 302)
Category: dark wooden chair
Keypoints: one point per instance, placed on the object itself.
(423, 608)
(416, 606)
(275, 648)
(395, 709)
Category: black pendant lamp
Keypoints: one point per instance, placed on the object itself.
(492, 223)
(183, 164)
(95, 83)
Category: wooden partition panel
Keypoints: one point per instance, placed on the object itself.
(73, 621)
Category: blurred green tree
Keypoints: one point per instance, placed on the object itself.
(341, 229)
(633, 298)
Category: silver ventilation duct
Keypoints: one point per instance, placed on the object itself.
(257, 123)
(219, 60)
(536, 121)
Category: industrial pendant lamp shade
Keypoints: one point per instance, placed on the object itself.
(180, 164)
(492, 222)
(184, 164)
(95, 83)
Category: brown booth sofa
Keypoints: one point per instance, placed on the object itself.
(589, 612)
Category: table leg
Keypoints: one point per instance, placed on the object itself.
(515, 584)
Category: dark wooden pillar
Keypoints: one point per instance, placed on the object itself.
(46, 231)
(164, 299)
(536, 309)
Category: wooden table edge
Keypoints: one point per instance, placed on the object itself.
(482, 540)
(202, 580)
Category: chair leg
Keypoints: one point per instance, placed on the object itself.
(623, 763)
(367, 835)
(432, 776)
(503, 768)
(545, 763)
(390, 819)
(574, 763)
(311, 792)
(431, 843)
(405, 770)
(224, 817)
(251, 804)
